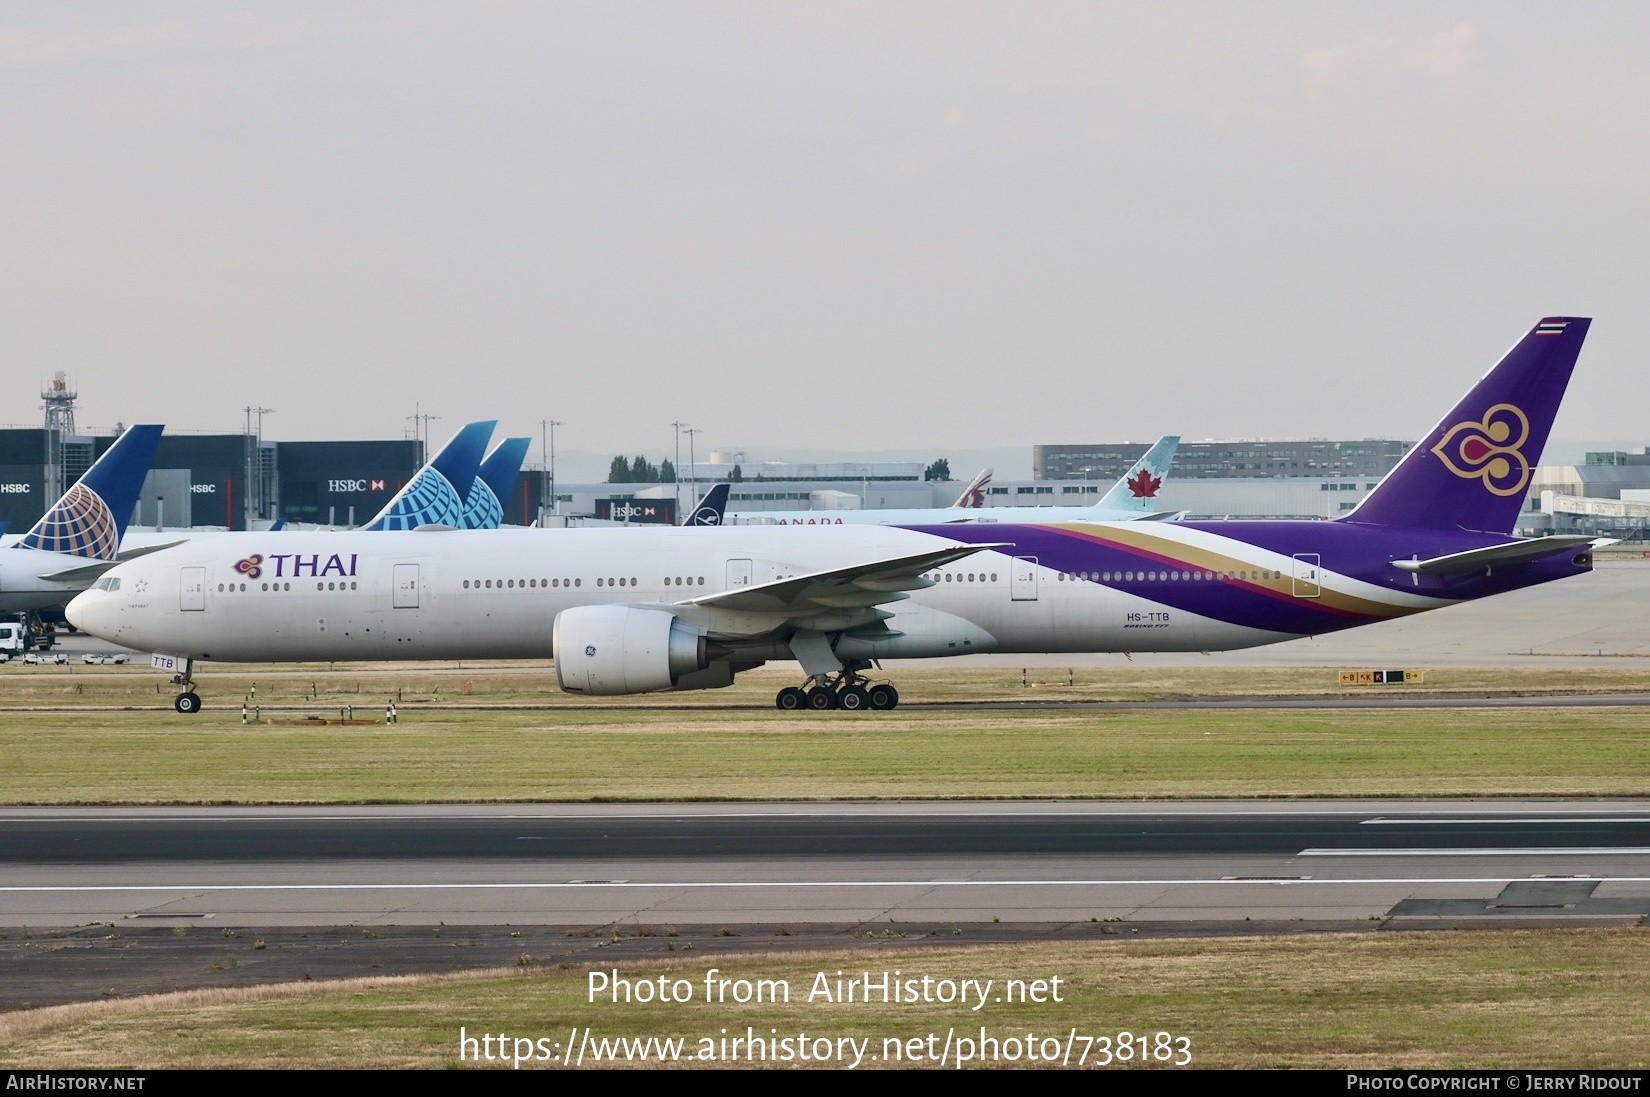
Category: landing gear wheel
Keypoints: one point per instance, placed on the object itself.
(853, 699)
(790, 699)
(821, 700)
(882, 696)
(188, 703)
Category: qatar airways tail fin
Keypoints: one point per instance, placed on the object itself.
(1473, 469)
(973, 496)
(90, 519)
(436, 494)
(1138, 488)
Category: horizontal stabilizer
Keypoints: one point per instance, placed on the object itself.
(1516, 552)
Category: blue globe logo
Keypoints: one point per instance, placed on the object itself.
(590, 649)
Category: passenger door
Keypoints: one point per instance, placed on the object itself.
(405, 585)
(1308, 575)
(1023, 579)
(192, 590)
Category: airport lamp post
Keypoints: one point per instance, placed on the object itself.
(676, 465)
(550, 425)
(693, 466)
(254, 462)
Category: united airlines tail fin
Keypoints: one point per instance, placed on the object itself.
(90, 519)
(436, 494)
(1138, 488)
(973, 495)
(1472, 470)
(710, 509)
(494, 484)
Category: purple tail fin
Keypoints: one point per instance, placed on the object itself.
(1473, 469)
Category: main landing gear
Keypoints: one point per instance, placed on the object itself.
(188, 702)
(848, 691)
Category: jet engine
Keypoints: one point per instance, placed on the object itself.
(608, 650)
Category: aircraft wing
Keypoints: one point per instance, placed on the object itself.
(839, 590)
(1516, 552)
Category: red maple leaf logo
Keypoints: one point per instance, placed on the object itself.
(1144, 485)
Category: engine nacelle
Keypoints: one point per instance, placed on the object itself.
(608, 650)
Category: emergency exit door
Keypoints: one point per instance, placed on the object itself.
(405, 579)
(739, 574)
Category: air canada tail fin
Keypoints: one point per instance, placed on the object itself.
(1139, 487)
(436, 494)
(1472, 470)
(494, 484)
(711, 508)
(90, 519)
(973, 496)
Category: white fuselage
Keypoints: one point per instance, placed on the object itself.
(931, 516)
(496, 593)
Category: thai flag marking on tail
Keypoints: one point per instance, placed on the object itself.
(1550, 327)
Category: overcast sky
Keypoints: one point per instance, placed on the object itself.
(825, 226)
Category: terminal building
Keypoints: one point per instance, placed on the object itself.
(213, 481)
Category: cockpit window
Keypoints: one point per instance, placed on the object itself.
(108, 583)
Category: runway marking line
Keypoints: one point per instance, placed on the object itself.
(1526, 851)
(1489, 822)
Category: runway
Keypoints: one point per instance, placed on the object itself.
(1045, 863)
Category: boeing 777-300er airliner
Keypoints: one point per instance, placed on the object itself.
(639, 610)
(1132, 498)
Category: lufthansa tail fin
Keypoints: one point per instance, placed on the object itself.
(1138, 488)
(494, 484)
(710, 510)
(436, 494)
(973, 496)
(1472, 470)
(90, 519)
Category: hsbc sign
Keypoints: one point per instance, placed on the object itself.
(652, 511)
(347, 486)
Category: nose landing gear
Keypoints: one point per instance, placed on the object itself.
(188, 702)
(849, 691)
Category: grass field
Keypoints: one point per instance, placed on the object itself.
(1571, 998)
(747, 754)
(368, 686)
